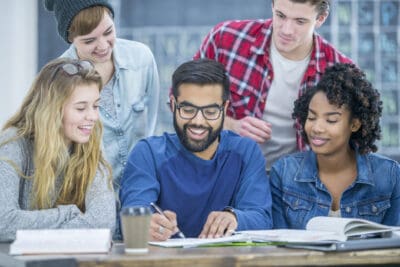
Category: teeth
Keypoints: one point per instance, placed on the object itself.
(197, 130)
(86, 127)
(103, 53)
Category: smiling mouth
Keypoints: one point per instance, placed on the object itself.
(102, 54)
(197, 133)
(318, 141)
(86, 128)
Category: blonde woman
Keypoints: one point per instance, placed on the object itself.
(129, 99)
(52, 172)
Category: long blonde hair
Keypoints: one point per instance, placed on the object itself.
(40, 120)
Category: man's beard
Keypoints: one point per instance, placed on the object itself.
(197, 145)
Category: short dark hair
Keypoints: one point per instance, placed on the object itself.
(201, 71)
(345, 84)
(321, 6)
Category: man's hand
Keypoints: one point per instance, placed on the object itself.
(256, 129)
(162, 228)
(219, 223)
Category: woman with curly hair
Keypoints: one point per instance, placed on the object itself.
(52, 172)
(340, 175)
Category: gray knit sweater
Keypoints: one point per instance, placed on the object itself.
(15, 193)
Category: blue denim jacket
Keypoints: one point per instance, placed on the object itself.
(136, 92)
(299, 195)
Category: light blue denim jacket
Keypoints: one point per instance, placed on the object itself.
(299, 195)
(136, 92)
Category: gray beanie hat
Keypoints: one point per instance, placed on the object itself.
(66, 10)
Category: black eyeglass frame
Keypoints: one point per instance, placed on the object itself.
(178, 107)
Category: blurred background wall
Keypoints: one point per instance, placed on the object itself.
(18, 52)
(368, 31)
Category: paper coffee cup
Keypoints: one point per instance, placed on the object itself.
(135, 228)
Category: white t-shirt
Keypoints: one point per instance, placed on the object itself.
(335, 213)
(279, 107)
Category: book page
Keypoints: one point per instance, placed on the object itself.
(195, 242)
(61, 241)
(292, 235)
(357, 227)
(332, 224)
(347, 226)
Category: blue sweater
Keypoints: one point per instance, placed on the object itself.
(161, 170)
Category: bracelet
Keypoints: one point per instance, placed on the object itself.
(230, 210)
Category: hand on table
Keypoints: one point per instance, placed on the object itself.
(218, 224)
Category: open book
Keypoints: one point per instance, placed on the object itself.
(349, 227)
(320, 231)
(334, 234)
(61, 241)
(324, 228)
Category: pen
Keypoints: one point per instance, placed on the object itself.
(159, 210)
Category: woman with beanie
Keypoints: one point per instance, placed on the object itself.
(129, 99)
(52, 172)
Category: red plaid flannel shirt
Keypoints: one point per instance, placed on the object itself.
(243, 47)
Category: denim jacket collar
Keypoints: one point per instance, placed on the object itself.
(308, 171)
(120, 61)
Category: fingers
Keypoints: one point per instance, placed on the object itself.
(171, 216)
(219, 223)
(162, 227)
(254, 128)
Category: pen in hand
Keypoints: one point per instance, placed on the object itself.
(159, 210)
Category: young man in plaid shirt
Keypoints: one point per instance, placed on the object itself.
(270, 64)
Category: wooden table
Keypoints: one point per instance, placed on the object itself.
(216, 256)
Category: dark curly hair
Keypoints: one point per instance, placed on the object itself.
(345, 84)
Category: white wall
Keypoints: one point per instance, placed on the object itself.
(18, 53)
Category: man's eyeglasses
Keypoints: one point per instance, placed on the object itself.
(189, 111)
